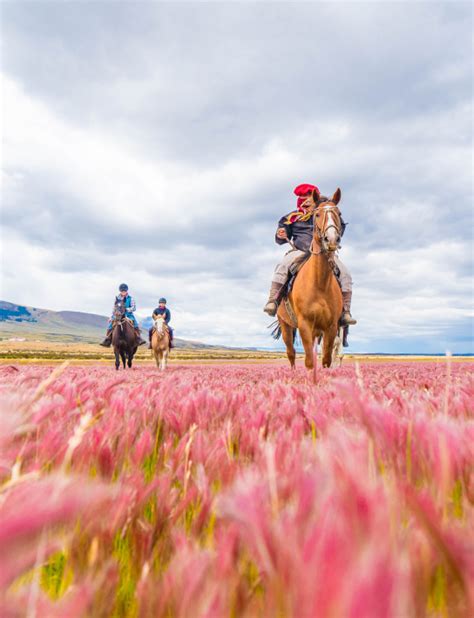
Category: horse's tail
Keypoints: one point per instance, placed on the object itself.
(276, 332)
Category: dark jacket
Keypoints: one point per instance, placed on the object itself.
(300, 232)
(165, 311)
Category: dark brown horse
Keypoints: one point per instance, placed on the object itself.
(316, 298)
(124, 337)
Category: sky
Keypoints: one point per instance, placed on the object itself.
(158, 144)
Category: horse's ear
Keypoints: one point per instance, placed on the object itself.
(316, 195)
(336, 198)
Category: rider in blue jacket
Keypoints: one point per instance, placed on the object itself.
(130, 306)
(162, 309)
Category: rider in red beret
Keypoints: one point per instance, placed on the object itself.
(296, 228)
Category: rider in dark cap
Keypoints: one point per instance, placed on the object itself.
(130, 306)
(162, 309)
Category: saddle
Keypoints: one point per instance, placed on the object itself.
(124, 319)
(283, 296)
(294, 270)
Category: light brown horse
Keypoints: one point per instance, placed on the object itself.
(316, 298)
(160, 342)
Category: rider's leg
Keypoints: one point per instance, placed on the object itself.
(171, 332)
(346, 287)
(108, 337)
(150, 333)
(279, 279)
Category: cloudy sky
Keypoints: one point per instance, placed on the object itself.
(159, 144)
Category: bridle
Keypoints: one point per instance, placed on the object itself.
(325, 208)
(119, 315)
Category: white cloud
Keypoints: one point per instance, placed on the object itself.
(168, 166)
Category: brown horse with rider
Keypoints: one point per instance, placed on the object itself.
(316, 304)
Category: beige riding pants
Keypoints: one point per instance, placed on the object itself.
(282, 271)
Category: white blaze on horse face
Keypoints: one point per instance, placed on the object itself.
(331, 231)
(159, 322)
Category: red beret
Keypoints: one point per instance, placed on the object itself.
(305, 189)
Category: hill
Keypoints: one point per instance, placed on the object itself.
(32, 323)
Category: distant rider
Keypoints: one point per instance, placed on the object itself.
(297, 226)
(130, 306)
(162, 309)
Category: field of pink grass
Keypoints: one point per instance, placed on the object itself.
(226, 491)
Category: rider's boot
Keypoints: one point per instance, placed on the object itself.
(272, 302)
(150, 333)
(107, 341)
(171, 341)
(346, 318)
(139, 335)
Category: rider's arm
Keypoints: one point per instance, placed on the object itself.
(133, 306)
(289, 232)
(167, 315)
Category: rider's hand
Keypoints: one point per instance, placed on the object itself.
(281, 233)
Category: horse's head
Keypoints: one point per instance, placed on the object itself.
(159, 323)
(119, 311)
(327, 222)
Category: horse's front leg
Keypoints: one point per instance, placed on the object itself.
(287, 333)
(123, 357)
(328, 345)
(130, 359)
(307, 338)
(117, 359)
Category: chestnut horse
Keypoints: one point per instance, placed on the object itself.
(316, 298)
(160, 342)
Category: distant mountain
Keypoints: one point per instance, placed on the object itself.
(19, 321)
